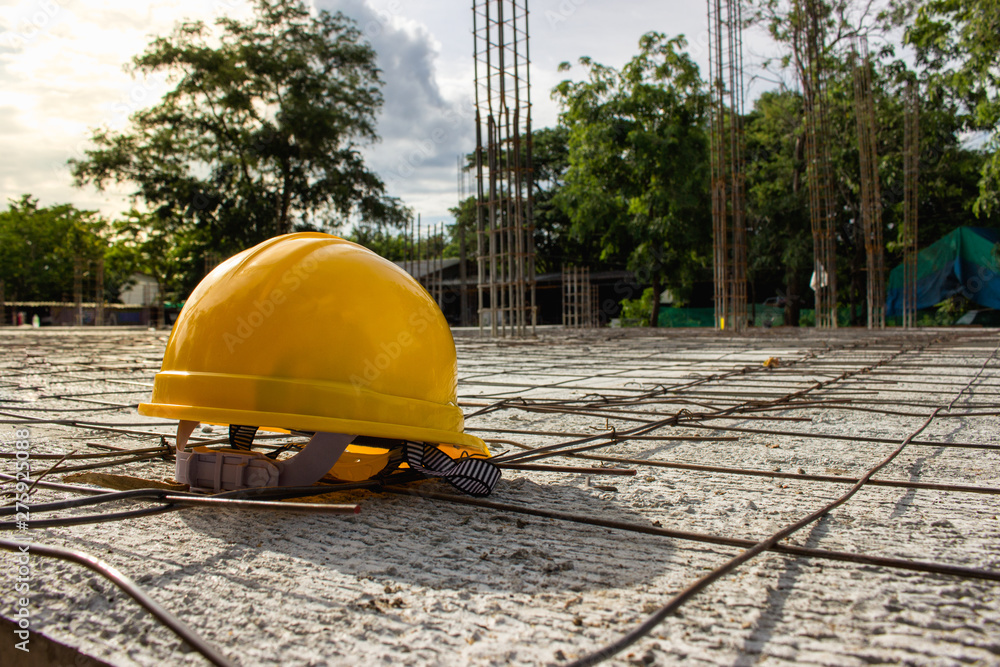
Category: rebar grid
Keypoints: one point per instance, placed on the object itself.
(911, 173)
(729, 234)
(504, 173)
(871, 194)
(669, 403)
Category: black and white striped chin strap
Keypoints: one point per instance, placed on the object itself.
(213, 470)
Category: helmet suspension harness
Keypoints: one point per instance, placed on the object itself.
(212, 470)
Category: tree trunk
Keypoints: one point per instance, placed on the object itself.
(654, 317)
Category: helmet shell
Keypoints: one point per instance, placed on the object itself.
(311, 332)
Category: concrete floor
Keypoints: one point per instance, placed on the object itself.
(418, 581)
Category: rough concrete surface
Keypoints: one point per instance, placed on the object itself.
(417, 581)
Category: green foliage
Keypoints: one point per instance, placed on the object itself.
(465, 223)
(636, 312)
(777, 187)
(39, 247)
(555, 243)
(637, 181)
(958, 50)
(396, 247)
(261, 132)
(780, 242)
(161, 247)
(951, 309)
(381, 241)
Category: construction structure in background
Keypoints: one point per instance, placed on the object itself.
(434, 278)
(911, 171)
(77, 291)
(729, 235)
(504, 226)
(211, 260)
(99, 293)
(579, 308)
(808, 23)
(871, 193)
(462, 233)
(83, 271)
(423, 258)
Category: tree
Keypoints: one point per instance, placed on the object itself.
(393, 247)
(261, 132)
(638, 162)
(39, 248)
(780, 242)
(159, 247)
(958, 49)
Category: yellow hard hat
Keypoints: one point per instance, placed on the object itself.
(309, 332)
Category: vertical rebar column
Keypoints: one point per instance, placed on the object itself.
(503, 166)
(578, 307)
(911, 172)
(459, 230)
(440, 266)
(463, 296)
(211, 260)
(418, 268)
(99, 294)
(821, 211)
(147, 300)
(77, 290)
(871, 194)
(593, 312)
(565, 296)
(729, 244)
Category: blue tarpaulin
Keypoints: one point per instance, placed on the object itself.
(962, 262)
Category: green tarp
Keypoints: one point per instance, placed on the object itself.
(962, 262)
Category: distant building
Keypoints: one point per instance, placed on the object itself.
(462, 294)
(144, 291)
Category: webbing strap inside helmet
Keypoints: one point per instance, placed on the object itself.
(241, 437)
(205, 469)
(217, 470)
(476, 477)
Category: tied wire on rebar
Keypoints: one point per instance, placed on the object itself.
(729, 235)
(871, 195)
(504, 171)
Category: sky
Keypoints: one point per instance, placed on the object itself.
(61, 76)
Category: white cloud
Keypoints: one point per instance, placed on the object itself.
(422, 126)
(61, 74)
